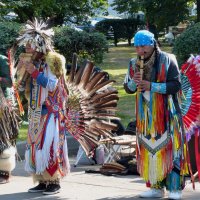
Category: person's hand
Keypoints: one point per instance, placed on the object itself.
(137, 77)
(30, 67)
(144, 85)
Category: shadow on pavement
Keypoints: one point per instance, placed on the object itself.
(30, 196)
(131, 198)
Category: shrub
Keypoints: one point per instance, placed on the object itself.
(187, 43)
(87, 45)
(9, 31)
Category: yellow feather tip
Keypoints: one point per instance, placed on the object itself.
(56, 62)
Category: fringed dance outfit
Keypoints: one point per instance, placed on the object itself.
(47, 153)
(160, 135)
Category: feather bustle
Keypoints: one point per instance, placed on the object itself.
(92, 103)
(86, 75)
(94, 80)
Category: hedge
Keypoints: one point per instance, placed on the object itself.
(187, 43)
(90, 45)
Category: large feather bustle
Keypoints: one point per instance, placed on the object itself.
(78, 75)
(106, 99)
(36, 34)
(94, 80)
(100, 95)
(86, 75)
(92, 103)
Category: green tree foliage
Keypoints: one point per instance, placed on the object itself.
(57, 11)
(122, 28)
(187, 43)
(160, 13)
(8, 34)
(165, 13)
(130, 7)
(87, 45)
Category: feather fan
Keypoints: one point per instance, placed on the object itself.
(190, 94)
(190, 105)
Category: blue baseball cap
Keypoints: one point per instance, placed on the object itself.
(144, 38)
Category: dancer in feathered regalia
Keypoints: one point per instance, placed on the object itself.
(82, 105)
(190, 106)
(9, 121)
(47, 153)
(155, 78)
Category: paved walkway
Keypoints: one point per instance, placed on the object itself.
(81, 186)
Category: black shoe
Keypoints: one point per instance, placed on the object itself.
(39, 188)
(52, 189)
(3, 180)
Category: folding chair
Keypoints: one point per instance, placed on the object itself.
(115, 145)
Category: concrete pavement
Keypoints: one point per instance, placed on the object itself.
(82, 186)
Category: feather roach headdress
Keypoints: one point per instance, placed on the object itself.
(37, 34)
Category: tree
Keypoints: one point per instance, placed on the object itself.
(9, 31)
(160, 13)
(164, 13)
(120, 28)
(129, 7)
(198, 10)
(57, 11)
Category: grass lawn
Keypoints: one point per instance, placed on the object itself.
(22, 133)
(115, 63)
